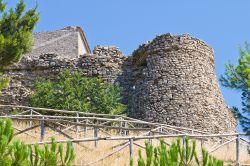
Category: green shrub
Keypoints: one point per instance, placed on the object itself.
(4, 81)
(17, 153)
(73, 91)
(6, 135)
(53, 155)
(176, 155)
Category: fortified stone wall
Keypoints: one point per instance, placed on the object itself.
(174, 82)
(105, 62)
(28, 71)
(169, 80)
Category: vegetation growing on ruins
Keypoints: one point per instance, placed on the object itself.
(17, 153)
(238, 77)
(73, 91)
(16, 27)
(176, 155)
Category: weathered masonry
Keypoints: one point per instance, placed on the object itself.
(169, 80)
(172, 79)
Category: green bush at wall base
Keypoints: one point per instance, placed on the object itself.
(73, 91)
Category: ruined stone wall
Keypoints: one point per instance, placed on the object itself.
(169, 80)
(24, 74)
(173, 81)
(105, 62)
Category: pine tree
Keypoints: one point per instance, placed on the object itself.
(17, 153)
(16, 27)
(176, 155)
(238, 78)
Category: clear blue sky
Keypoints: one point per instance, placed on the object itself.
(223, 24)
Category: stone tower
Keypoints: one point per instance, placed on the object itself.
(169, 80)
(172, 80)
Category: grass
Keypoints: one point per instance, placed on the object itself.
(87, 152)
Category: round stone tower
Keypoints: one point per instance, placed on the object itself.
(173, 81)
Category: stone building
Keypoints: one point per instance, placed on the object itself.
(168, 80)
(67, 42)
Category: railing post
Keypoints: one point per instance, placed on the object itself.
(150, 134)
(95, 135)
(121, 123)
(238, 150)
(131, 142)
(221, 140)
(85, 128)
(42, 130)
(126, 131)
(31, 113)
(161, 129)
(77, 127)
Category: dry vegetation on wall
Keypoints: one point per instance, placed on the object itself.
(87, 152)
